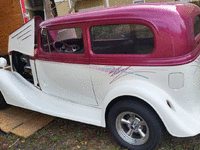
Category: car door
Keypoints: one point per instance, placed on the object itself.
(116, 48)
(62, 64)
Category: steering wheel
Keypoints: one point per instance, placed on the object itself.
(63, 43)
(75, 48)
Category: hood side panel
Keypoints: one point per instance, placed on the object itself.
(22, 40)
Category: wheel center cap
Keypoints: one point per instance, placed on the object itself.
(134, 125)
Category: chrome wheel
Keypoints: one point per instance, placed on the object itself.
(132, 128)
(135, 125)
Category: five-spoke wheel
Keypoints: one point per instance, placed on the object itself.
(132, 128)
(135, 125)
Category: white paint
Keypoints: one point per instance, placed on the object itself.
(71, 82)
(70, 6)
(176, 80)
(107, 3)
(68, 91)
(3, 62)
(45, 14)
(147, 83)
(151, 85)
(56, 1)
(34, 73)
(22, 40)
(19, 92)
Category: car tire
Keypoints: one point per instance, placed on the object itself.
(3, 103)
(135, 125)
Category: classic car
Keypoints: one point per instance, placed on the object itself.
(134, 69)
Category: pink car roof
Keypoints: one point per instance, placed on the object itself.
(172, 24)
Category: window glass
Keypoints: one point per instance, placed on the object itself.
(62, 41)
(196, 26)
(122, 39)
(110, 32)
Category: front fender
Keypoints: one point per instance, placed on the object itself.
(176, 120)
(9, 86)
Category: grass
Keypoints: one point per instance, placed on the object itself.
(62, 134)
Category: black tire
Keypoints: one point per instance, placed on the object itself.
(135, 125)
(3, 103)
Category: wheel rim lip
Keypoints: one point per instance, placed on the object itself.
(125, 136)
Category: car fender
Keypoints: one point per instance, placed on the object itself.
(174, 119)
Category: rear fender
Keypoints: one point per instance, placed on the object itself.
(174, 118)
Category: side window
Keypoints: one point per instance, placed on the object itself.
(62, 41)
(196, 26)
(122, 39)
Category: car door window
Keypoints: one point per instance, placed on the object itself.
(67, 40)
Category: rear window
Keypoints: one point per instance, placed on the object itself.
(196, 25)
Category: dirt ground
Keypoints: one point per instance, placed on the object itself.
(63, 134)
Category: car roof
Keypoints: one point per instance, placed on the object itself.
(147, 11)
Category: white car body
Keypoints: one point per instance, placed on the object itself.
(85, 92)
(181, 119)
